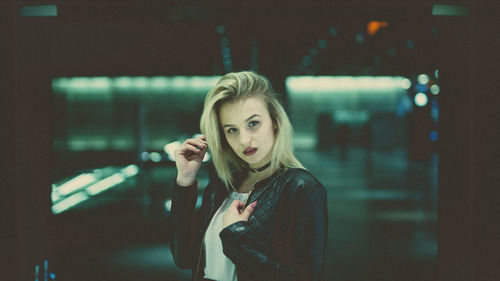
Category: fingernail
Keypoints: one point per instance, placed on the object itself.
(253, 204)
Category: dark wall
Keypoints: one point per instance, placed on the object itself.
(469, 233)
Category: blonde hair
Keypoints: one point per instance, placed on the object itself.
(238, 85)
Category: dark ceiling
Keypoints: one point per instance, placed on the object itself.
(180, 38)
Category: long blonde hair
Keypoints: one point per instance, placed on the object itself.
(237, 85)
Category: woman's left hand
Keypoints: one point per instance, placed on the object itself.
(234, 213)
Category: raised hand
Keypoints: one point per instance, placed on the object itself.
(188, 158)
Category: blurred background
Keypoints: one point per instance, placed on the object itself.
(123, 83)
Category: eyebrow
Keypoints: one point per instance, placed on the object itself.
(229, 125)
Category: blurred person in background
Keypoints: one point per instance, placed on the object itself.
(265, 216)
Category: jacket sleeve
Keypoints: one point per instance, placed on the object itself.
(182, 212)
(186, 223)
(255, 259)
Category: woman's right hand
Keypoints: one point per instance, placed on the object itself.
(188, 159)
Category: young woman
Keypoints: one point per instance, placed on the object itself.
(265, 216)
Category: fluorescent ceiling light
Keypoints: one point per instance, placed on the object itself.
(38, 11)
(75, 184)
(105, 184)
(69, 202)
(449, 10)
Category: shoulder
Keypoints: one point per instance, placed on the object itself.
(302, 181)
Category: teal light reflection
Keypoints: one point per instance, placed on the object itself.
(449, 10)
(133, 84)
(38, 11)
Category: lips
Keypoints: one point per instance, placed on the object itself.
(250, 151)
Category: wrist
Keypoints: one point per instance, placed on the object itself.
(185, 182)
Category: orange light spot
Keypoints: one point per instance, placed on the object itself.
(375, 26)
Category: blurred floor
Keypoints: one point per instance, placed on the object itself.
(382, 225)
(382, 214)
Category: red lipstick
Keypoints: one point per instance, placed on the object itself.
(250, 151)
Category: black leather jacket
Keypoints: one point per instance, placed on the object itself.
(284, 238)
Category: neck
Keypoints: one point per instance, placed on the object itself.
(249, 179)
(259, 175)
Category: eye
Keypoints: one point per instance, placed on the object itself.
(253, 123)
(231, 130)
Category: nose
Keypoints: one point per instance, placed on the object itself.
(245, 138)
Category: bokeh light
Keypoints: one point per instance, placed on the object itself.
(423, 79)
(421, 99)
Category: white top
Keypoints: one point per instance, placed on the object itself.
(218, 266)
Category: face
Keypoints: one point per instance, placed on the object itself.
(248, 129)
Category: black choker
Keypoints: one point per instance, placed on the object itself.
(261, 168)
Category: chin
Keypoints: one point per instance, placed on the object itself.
(257, 162)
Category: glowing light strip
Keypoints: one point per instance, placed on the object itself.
(69, 202)
(105, 184)
(88, 85)
(75, 184)
(449, 10)
(38, 11)
(130, 171)
(343, 83)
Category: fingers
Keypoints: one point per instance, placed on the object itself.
(198, 143)
(233, 213)
(248, 211)
(191, 147)
(237, 204)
